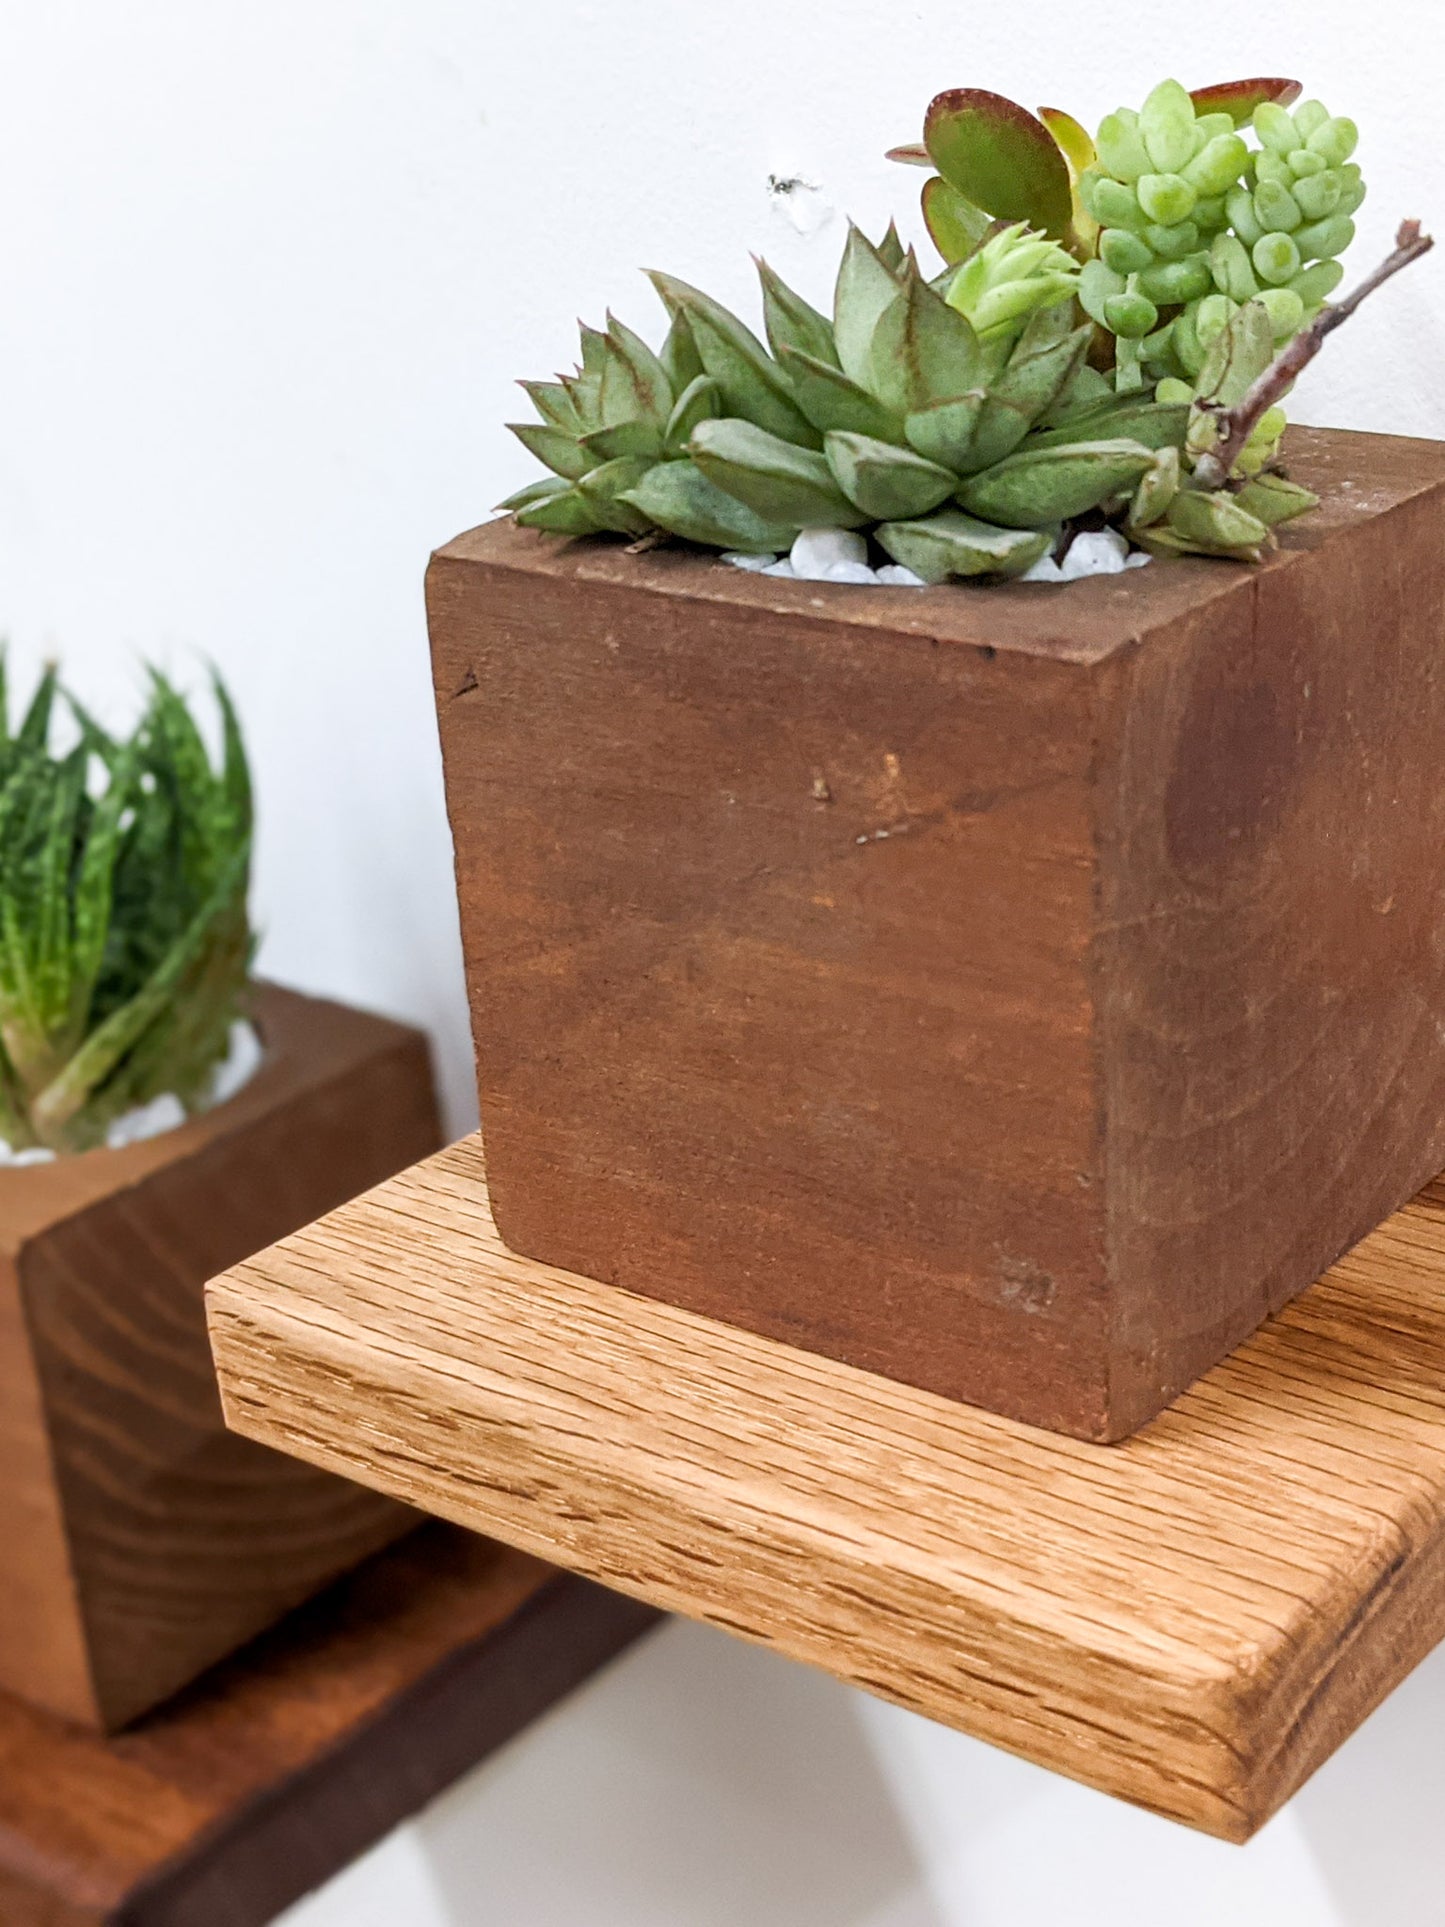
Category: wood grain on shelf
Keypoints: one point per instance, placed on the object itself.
(291, 1758)
(1192, 1620)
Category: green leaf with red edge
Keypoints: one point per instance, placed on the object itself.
(955, 224)
(1239, 98)
(911, 153)
(997, 155)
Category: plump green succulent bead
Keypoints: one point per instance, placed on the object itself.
(1169, 283)
(1276, 209)
(1316, 283)
(1130, 314)
(1285, 309)
(1123, 252)
(1232, 268)
(1335, 139)
(1120, 146)
(1275, 127)
(1319, 195)
(1276, 259)
(1212, 316)
(1172, 243)
(1217, 165)
(1239, 210)
(1167, 124)
(1322, 240)
(1165, 197)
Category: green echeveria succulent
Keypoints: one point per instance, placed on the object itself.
(125, 945)
(963, 445)
(895, 415)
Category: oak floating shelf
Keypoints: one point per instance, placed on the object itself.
(1193, 1620)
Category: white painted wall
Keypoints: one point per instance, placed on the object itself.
(269, 271)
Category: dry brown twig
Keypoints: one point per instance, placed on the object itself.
(1238, 423)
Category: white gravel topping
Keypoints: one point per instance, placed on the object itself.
(816, 551)
(897, 576)
(742, 559)
(1095, 552)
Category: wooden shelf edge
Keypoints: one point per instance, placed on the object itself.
(1192, 1621)
(285, 1763)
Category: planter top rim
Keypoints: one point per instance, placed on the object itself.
(308, 1041)
(1357, 475)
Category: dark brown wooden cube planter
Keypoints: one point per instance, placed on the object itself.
(139, 1540)
(1019, 992)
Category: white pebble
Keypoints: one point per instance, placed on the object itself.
(243, 1060)
(898, 576)
(784, 567)
(164, 1113)
(815, 551)
(1140, 559)
(850, 572)
(754, 564)
(1095, 552)
(13, 1160)
(1044, 570)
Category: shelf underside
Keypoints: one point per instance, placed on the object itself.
(1193, 1620)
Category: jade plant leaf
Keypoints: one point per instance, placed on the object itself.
(776, 479)
(677, 496)
(1039, 488)
(911, 153)
(888, 483)
(955, 225)
(950, 543)
(999, 157)
(1239, 98)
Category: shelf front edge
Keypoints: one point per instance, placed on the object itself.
(1192, 1621)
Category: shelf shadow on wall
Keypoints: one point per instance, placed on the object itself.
(695, 1780)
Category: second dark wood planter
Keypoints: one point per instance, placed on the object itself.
(1017, 992)
(139, 1540)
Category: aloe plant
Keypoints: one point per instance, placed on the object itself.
(125, 944)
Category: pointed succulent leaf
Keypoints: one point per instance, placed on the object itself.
(627, 438)
(601, 489)
(950, 543)
(954, 223)
(677, 496)
(775, 478)
(634, 383)
(560, 452)
(997, 433)
(891, 251)
(553, 403)
(922, 350)
(695, 404)
(1040, 487)
(1239, 98)
(1032, 382)
(792, 322)
(679, 355)
(911, 154)
(751, 384)
(890, 484)
(1157, 489)
(830, 400)
(999, 157)
(944, 432)
(585, 391)
(594, 349)
(1154, 424)
(865, 287)
(566, 514)
(1272, 499)
(544, 489)
(1215, 524)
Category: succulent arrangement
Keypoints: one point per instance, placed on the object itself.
(1116, 323)
(125, 944)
